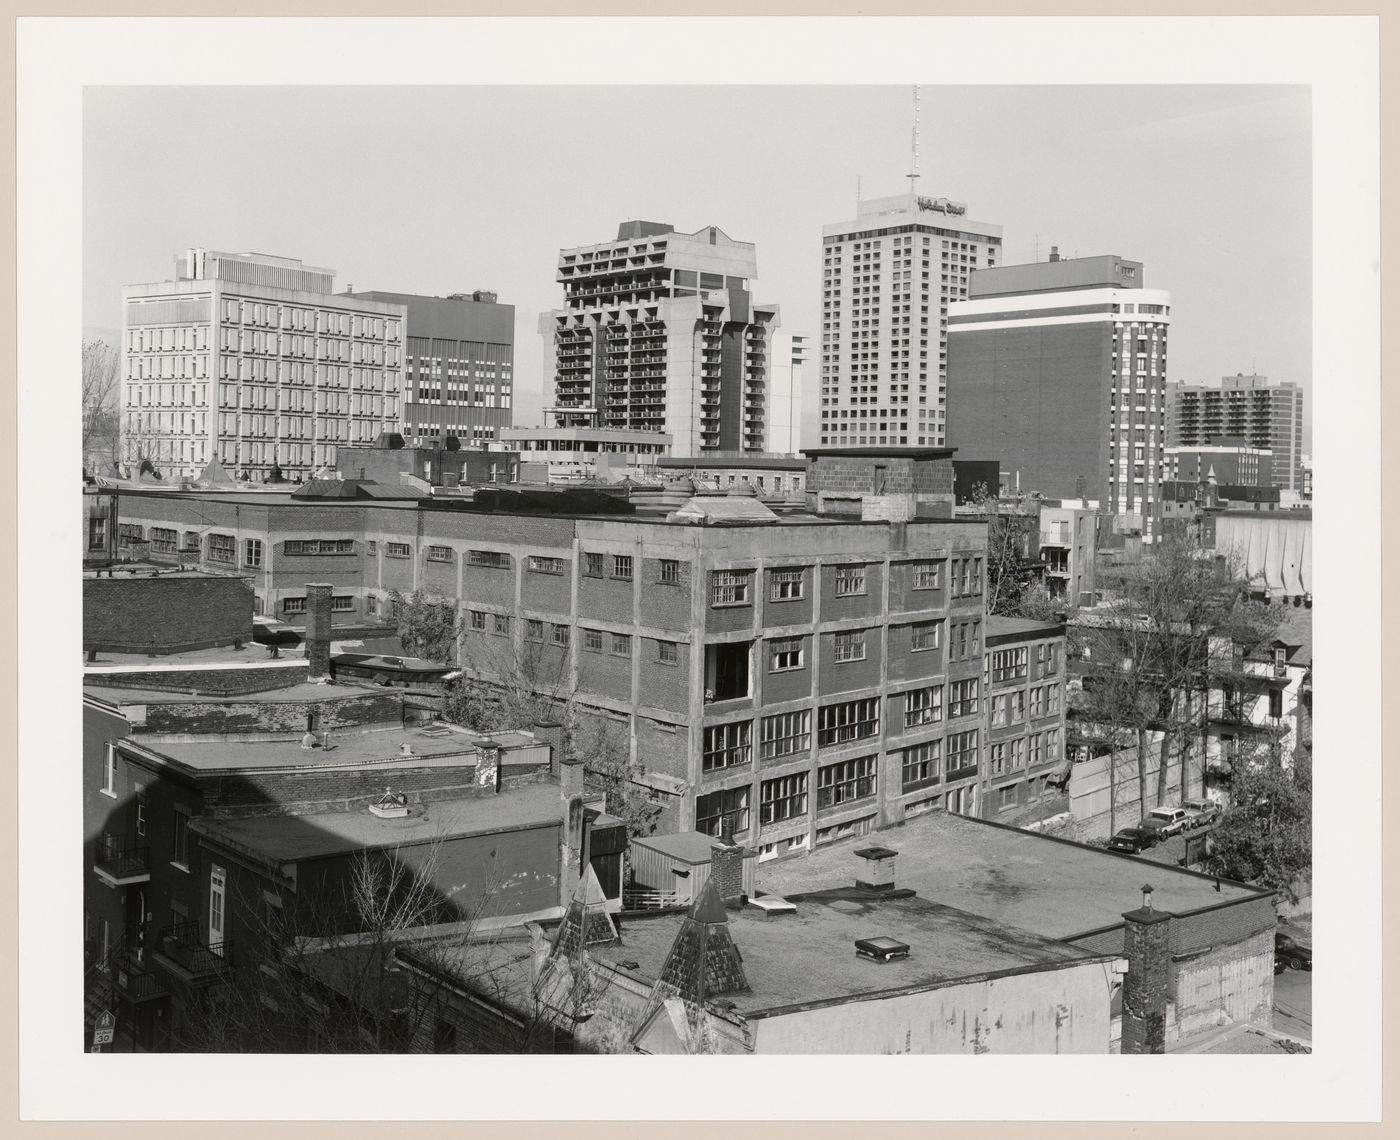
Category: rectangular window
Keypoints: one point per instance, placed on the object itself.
(670, 572)
(997, 759)
(131, 532)
(221, 548)
(967, 577)
(928, 575)
(501, 624)
(785, 585)
(785, 734)
(849, 720)
(1052, 660)
(1037, 702)
(727, 746)
(1036, 748)
(140, 826)
(999, 711)
(845, 782)
(1009, 664)
(593, 640)
(667, 653)
(921, 765)
(163, 541)
(439, 554)
(923, 706)
(962, 751)
(1052, 698)
(538, 564)
(559, 634)
(252, 553)
(622, 567)
(1275, 703)
(398, 550)
(730, 804)
(180, 839)
(782, 798)
(1018, 752)
(729, 588)
(534, 629)
(1006, 797)
(479, 620)
(850, 581)
(622, 645)
(962, 697)
(494, 559)
(784, 654)
(109, 770)
(924, 635)
(293, 605)
(850, 646)
(593, 565)
(1052, 744)
(342, 603)
(320, 546)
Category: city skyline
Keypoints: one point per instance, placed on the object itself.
(1240, 274)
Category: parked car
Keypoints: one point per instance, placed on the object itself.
(1167, 820)
(1134, 839)
(1200, 812)
(1290, 954)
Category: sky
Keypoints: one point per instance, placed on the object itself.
(437, 190)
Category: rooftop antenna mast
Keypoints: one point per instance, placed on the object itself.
(913, 175)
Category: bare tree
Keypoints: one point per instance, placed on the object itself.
(100, 400)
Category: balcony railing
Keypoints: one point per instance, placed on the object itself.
(185, 951)
(136, 981)
(120, 861)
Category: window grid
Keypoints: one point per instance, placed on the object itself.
(850, 581)
(923, 706)
(729, 588)
(727, 803)
(845, 782)
(785, 585)
(727, 746)
(850, 646)
(924, 635)
(785, 734)
(849, 720)
(782, 798)
(920, 765)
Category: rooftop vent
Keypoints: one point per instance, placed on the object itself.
(877, 868)
(881, 949)
(392, 805)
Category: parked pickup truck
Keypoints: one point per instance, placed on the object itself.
(1200, 812)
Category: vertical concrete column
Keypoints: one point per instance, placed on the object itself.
(571, 845)
(1147, 946)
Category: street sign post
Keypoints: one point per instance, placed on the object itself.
(105, 1028)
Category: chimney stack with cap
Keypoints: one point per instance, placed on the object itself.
(571, 844)
(1147, 946)
(318, 631)
(727, 869)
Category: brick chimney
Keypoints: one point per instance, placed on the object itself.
(727, 869)
(551, 732)
(876, 868)
(318, 631)
(571, 840)
(488, 765)
(1147, 946)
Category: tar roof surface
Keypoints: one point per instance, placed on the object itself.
(288, 838)
(249, 657)
(1054, 888)
(810, 956)
(999, 626)
(349, 749)
(150, 692)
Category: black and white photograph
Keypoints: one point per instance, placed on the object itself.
(765, 538)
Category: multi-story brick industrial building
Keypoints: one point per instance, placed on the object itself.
(250, 360)
(1058, 370)
(803, 675)
(887, 280)
(659, 332)
(458, 364)
(1250, 409)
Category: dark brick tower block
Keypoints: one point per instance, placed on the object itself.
(318, 630)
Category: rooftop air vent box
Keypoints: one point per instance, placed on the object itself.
(881, 949)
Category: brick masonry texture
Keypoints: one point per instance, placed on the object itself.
(273, 717)
(207, 681)
(165, 615)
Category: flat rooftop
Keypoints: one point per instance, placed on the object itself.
(1055, 888)
(810, 956)
(253, 655)
(999, 626)
(300, 693)
(350, 749)
(290, 838)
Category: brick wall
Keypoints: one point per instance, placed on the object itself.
(664, 605)
(166, 614)
(254, 679)
(273, 718)
(664, 686)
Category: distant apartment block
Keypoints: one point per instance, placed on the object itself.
(791, 376)
(1058, 370)
(1230, 461)
(887, 280)
(659, 332)
(251, 360)
(458, 365)
(1259, 412)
